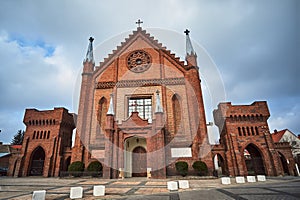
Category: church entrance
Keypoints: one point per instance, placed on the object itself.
(139, 162)
(135, 157)
(37, 162)
(253, 160)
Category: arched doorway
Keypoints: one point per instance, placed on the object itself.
(135, 157)
(284, 164)
(139, 162)
(253, 160)
(219, 164)
(37, 162)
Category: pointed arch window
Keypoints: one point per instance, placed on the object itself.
(102, 110)
(176, 107)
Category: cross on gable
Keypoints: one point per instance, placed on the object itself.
(186, 31)
(139, 22)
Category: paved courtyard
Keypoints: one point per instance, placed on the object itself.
(142, 188)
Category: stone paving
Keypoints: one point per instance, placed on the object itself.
(140, 188)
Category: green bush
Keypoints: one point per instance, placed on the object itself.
(76, 167)
(95, 167)
(200, 167)
(182, 168)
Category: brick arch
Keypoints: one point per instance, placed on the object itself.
(257, 163)
(283, 162)
(221, 169)
(36, 162)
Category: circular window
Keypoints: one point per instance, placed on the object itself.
(138, 61)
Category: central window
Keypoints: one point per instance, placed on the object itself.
(141, 105)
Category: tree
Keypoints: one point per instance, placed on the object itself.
(18, 138)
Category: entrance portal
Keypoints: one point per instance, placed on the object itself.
(139, 162)
(37, 162)
(135, 157)
(253, 160)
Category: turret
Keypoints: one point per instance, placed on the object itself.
(191, 56)
(88, 62)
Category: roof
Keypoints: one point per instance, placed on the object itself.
(4, 154)
(4, 148)
(130, 39)
(17, 146)
(277, 135)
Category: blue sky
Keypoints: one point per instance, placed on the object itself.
(254, 45)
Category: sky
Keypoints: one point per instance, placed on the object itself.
(253, 45)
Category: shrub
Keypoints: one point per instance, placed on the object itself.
(95, 167)
(182, 168)
(76, 167)
(200, 167)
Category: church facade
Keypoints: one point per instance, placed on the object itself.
(142, 110)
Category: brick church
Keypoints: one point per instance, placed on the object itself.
(142, 110)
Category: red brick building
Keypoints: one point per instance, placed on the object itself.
(142, 110)
(46, 148)
(246, 145)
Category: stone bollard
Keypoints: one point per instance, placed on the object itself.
(172, 185)
(225, 180)
(183, 184)
(76, 192)
(261, 178)
(99, 190)
(240, 179)
(39, 195)
(251, 179)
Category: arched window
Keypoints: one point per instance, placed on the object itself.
(101, 116)
(176, 107)
(48, 135)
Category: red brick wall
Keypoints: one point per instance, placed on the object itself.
(52, 131)
(240, 126)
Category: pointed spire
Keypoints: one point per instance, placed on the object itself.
(89, 55)
(111, 106)
(158, 108)
(191, 56)
(189, 46)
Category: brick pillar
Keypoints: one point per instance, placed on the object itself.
(109, 131)
(157, 144)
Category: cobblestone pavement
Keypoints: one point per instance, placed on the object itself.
(154, 189)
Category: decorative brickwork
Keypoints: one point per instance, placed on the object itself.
(47, 143)
(246, 141)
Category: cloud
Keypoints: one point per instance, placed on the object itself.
(254, 45)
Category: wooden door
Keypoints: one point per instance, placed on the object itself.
(139, 162)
